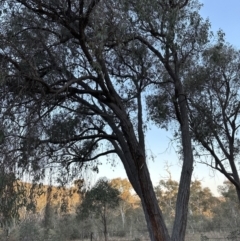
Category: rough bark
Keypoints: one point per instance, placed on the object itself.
(235, 177)
(180, 222)
(137, 171)
(135, 162)
(151, 207)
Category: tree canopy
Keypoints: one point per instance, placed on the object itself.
(213, 86)
(74, 79)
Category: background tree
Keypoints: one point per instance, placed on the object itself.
(201, 207)
(201, 199)
(98, 202)
(214, 107)
(127, 197)
(227, 213)
(166, 192)
(48, 213)
(12, 197)
(202, 204)
(210, 216)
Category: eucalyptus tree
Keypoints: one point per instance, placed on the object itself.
(127, 198)
(14, 200)
(226, 214)
(99, 202)
(12, 197)
(73, 80)
(214, 103)
(166, 192)
(202, 203)
(69, 97)
(175, 34)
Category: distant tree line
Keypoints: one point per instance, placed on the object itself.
(110, 209)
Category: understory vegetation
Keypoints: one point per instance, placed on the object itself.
(110, 210)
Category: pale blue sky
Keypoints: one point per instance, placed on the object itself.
(223, 15)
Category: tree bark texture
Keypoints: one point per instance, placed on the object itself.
(180, 222)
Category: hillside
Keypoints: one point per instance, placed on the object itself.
(62, 199)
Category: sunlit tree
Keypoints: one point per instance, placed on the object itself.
(98, 203)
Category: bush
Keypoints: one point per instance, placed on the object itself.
(30, 231)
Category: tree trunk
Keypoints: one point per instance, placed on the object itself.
(154, 218)
(235, 175)
(238, 193)
(122, 215)
(142, 185)
(150, 204)
(105, 230)
(132, 155)
(180, 222)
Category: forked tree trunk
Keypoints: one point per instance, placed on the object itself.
(156, 225)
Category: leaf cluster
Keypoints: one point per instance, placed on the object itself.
(100, 199)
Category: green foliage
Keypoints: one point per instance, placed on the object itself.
(227, 212)
(206, 214)
(228, 191)
(12, 196)
(202, 203)
(234, 235)
(202, 200)
(100, 199)
(30, 230)
(63, 128)
(160, 110)
(68, 228)
(166, 192)
(213, 86)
